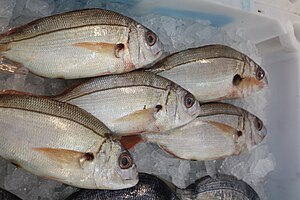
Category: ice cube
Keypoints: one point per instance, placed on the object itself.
(41, 7)
(6, 13)
(20, 182)
(68, 5)
(176, 34)
(264, 166)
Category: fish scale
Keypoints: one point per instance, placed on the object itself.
(134, 103)
(79, 44)
(62, 142)
(148, 188)
(65, 21)
(212, 72)
(219, 131)
(222, 186)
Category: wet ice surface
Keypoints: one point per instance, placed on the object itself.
(176, 34)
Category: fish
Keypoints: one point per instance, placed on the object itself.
(79, 44)
(220, 131)
(222, 186)
(5, 195)
(134, 103)
(59, 141)
(149, 187)
(213, 72)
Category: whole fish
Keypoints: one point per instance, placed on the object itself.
(78, 44)
(135, 102)
(62, 142)
(228, 131)
(149, 187)
(213, 72)
(223, 187)
(5, 195)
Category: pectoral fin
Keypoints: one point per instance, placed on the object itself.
(65, 156)
(225, 128)
(99, 47)
(169, 152)
(137, 122)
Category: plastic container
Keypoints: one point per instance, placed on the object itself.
(274, 27)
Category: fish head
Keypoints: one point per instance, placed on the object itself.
(177, 107)
(253, 131)
(147, 47)
(250, 78)
(183, 108)
(115, 168)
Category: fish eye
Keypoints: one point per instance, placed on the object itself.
(259, 124)
(150, 38)
(189, 100)
(260, 74)
(125, 160)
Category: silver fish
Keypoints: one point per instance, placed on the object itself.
(135, 102)
(149, 187)
(228, 131)
(213, 72)
(223, 187)
(59, 141)
(78, 44)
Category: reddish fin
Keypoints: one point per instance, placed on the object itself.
(10, 66)
(222, 127)
(62, 156)
(143, 121)
(99, 47)
(130, 141)
(169, 152)
(4, 47)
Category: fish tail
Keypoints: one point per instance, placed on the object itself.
(9, 66)
(4, 47)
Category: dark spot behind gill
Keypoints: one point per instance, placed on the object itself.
(118, 48)
(236, 79)
(239, 133)
(89, 156)
(158, 107)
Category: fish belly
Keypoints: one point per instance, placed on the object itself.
(23, 133)
(73, 53)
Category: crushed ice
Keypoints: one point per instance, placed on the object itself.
(176, 34)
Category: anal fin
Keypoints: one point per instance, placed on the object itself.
(169, 152)
(130, 141)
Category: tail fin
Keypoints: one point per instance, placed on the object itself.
(4, 47)
(9, 66)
